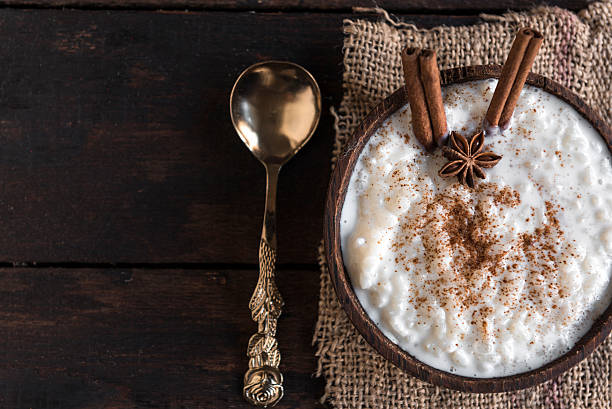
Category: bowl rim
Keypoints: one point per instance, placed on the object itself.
(342, 283)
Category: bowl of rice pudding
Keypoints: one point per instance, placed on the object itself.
(489, 289)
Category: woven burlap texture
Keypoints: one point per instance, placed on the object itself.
(576, 53)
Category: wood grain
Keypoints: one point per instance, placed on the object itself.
(117, 144)
(342, 283)
(127, 338)
(411, 6)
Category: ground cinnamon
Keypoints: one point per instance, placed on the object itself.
(424, 93)
(513, 76)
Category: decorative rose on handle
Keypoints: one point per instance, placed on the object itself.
(263, 386)
(263, 382)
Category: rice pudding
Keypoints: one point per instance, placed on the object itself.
(495, 280)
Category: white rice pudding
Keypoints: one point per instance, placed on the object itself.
(495, 280)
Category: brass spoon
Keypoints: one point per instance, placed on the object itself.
(275, 107)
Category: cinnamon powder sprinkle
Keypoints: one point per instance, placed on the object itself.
(468, 263)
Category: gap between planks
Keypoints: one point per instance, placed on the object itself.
(155, 266)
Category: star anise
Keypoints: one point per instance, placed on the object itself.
(466, 158)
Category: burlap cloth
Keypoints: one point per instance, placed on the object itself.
(577, 52)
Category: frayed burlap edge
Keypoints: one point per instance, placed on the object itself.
(576, 53)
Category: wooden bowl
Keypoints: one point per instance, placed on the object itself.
(373, 335)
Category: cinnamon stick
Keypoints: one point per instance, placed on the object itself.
(421, 125)
(424, 93)
(430, 75)
(521, 77)
(513, 76)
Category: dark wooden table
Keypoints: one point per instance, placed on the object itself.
(131, 211)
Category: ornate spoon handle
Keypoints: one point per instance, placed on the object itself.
(263, 382)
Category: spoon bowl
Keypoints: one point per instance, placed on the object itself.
(275, 107)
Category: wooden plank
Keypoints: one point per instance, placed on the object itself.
(117, 144)
(411, 6)
(145, 338)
